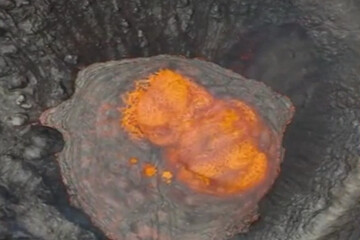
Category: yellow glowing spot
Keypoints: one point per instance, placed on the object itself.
(133, 161)
(149, 170)
(167, 176)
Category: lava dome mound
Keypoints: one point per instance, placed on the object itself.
(169, 148)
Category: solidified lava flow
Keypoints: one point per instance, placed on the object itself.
(212, 144)
(169, 148)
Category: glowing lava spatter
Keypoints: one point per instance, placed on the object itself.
(212, 145)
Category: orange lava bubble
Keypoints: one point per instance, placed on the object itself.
(167, 176)
(211, 144)
(133, 160)
(149, 170)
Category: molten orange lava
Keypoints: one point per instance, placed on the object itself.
(149, 170)
(211, 144)
(166, 176)
(133, 161)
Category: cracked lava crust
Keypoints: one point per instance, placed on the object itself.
(169, 148)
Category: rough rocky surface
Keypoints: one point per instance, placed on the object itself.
(305, 49)
(126, 203)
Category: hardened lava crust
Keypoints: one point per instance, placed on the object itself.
(169, 148)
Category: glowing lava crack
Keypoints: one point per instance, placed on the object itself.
(169, 148)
